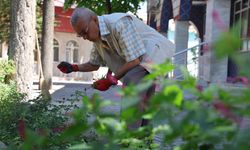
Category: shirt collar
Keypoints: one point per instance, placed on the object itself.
(103, 27)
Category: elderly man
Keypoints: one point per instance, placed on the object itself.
(122, 42)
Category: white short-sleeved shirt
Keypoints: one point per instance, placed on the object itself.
(125, 38)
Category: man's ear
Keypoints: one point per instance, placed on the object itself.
(94, 18)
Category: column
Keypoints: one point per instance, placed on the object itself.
(181, 43)
(214, 70)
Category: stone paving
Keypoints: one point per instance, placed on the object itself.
(66, 91)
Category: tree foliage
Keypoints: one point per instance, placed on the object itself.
(107, 6)
(39, 18)
(4, 19)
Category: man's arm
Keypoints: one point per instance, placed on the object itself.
(131, 44)
(87, 67)
(66, 67)
(104, 84)
(126, 67)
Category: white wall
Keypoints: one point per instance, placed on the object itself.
(84, 53)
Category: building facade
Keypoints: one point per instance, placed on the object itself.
(200, 14)
(67, 47)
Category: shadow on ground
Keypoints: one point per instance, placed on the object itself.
(69, 92)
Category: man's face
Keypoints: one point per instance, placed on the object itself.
(88, 30)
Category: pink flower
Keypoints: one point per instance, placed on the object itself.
(199, 88)
(218, 21)
(144, 97)
(238, 79)
(21, 129)
(243, 80)
(225, 111)
(58, 129)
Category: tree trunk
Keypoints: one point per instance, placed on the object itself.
(22, 42)
(47, 46)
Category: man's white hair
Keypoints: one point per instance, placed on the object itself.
(81, 13)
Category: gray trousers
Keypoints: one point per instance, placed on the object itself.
(135, 76)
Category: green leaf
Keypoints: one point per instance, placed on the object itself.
(228, 43)
(102, 7)
(160, 70)
(33, 140)
(161, 128)
(80, 146)
(227, 128)
(74, 130)
(149, 115)
(174, 93)
(210, 93)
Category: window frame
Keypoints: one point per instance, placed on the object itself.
(55, 48)
(241, 12)
(71, 55)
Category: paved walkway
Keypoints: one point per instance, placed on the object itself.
(66, 91)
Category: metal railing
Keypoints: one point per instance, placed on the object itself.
(188, 58)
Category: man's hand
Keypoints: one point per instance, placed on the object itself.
(104, 84)
(66, 67)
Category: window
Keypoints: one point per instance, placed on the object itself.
(75, 55)
(241, 14)
(56, 50)
(72, 52)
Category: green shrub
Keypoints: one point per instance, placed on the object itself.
(41, 118)
(7, 71)
(10, 103)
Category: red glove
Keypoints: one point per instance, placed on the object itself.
(104, 84)
(66, 67)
